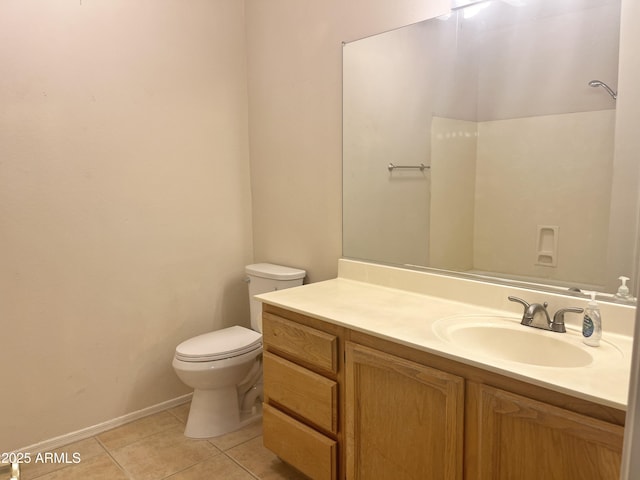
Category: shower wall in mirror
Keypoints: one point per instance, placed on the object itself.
(495, 99)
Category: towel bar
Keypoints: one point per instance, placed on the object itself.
(391, 167)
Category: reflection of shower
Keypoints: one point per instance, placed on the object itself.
(598, 83)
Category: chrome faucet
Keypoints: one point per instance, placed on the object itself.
(533, 311)
(536, 315)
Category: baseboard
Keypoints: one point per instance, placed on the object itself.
(56, 442)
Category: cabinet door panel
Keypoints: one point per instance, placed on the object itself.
(403, 420)
(525, 439)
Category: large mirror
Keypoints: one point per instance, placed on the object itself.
(483, 142)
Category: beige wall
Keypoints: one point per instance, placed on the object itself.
(124, 202)
(295, 81)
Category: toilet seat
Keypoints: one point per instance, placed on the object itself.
(226, 343)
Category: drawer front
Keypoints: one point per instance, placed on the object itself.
(312, 396)
(302, 447)
(304, 343)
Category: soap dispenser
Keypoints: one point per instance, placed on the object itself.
(592, 323)
(623, 290)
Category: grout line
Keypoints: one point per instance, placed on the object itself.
(130, 475)
(108, 452)
(191, 466)
(181, 420)
(241, 465)
(147, 435)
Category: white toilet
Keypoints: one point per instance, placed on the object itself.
(225, 367)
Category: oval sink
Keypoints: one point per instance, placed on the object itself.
(503, 338)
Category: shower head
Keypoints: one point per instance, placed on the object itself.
(598, 83)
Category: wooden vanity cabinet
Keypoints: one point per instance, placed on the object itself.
(342, 404)
(302, 368)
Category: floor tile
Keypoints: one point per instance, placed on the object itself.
(219, 467)
(100, 467)
(181, 412)
(138, 429)
(87, 449)
(262, 463)
(232, 439)
(162, 454)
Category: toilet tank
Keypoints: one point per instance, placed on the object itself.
(267, 277)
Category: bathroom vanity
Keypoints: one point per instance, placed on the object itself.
(361, 382)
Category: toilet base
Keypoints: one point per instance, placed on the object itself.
(216, 412)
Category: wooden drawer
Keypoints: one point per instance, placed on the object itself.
(302, 447)
(312, 396)
(308, 345)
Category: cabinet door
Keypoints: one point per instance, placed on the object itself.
(403, 420)
(515, 437)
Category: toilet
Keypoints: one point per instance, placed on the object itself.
(224, 367)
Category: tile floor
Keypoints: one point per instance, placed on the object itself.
(154, 448)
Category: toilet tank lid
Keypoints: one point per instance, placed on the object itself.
(275, 272)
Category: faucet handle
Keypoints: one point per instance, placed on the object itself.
(558, 318)
(525, 321)
(524, 303)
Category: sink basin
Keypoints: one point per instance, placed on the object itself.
(503, 338)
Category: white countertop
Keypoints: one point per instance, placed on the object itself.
(407, 318)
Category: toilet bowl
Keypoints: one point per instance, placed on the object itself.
(224, 367)
(215, 378)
